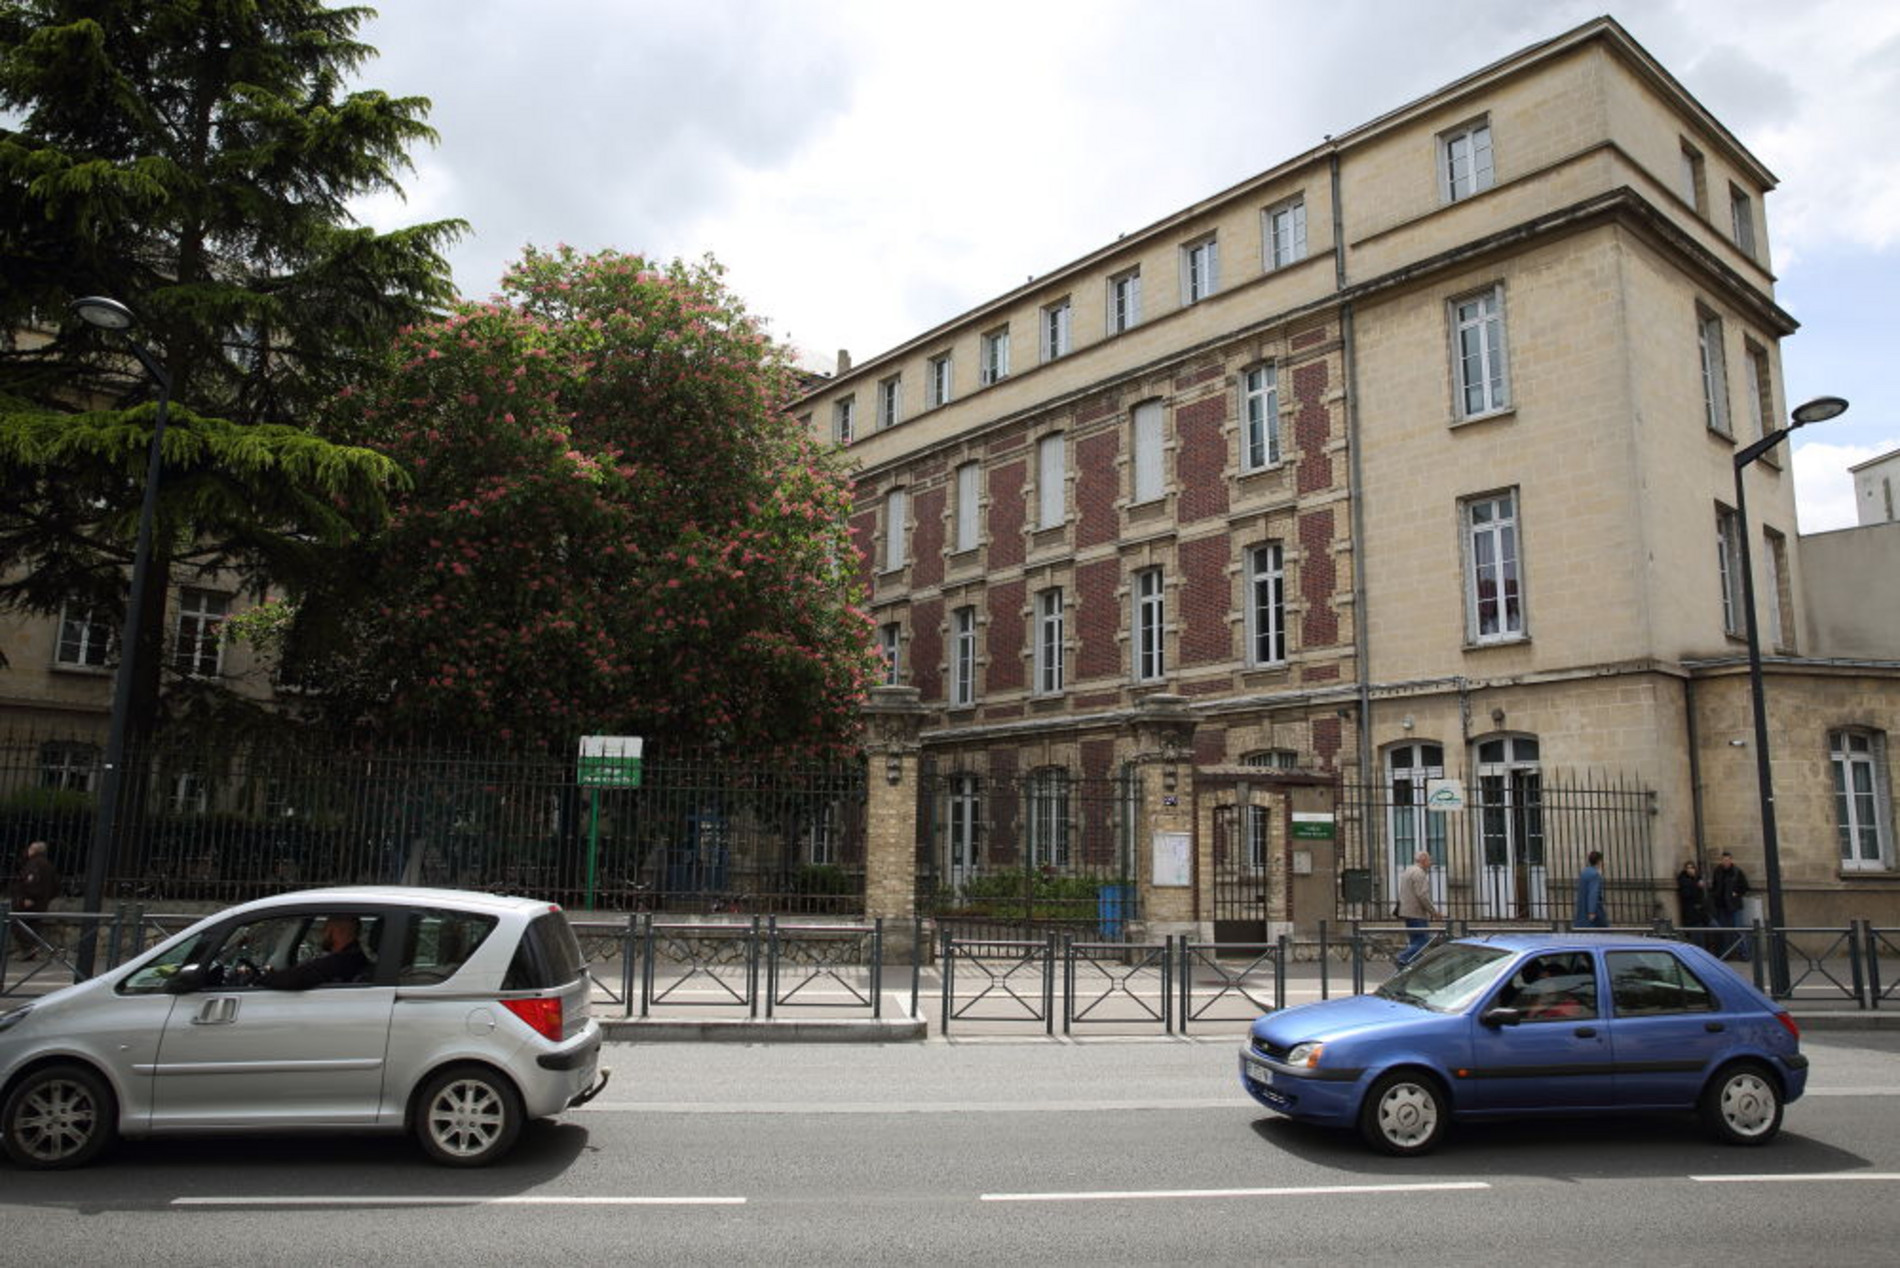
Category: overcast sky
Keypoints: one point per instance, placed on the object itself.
(868, 170)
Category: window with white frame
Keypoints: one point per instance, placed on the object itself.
(995, 358)
(1695, 190)
(1464, 161)
(1049, 818)
(198, 646)
(896, 528)
(1863, 803)
(1051, 470)
(1048, 666)
(1714, 371)
(1728, 563)
(940, 384)
(1266, 605)
(1271, 759)
(85, 639)
(818, 834)
(963, 656)
(1150, 626)
(1758, 386)
(1494, 600)
(1056, 329)
(1741, 219)
(1200, 270)
(1147, 451)
(963, 805)
(68, 767)
(1124, 301)
(969, 503)
(189, 794)
(1478, 350)
(1284, 234)
(1774, 558)
(890, 401)
(890, 643)
(1260, 418)
(844, 420)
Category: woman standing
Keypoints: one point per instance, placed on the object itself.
(1692, 899)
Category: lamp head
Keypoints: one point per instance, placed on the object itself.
(106, 314)
(1819, 410)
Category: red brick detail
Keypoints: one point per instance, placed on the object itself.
(1002, 712)
(1205, 636)
(926, 568)
(1326, 741)
(1312, 427)
(1098, 758)
(1307, 338)
(1208, 687)
(1322, 673)
(1003, 641)
(1006, 514)
(926, 649)
(1200, 458)
(1099, 407)
(1097, 484)
(1100, 700)
(864, 540)
(1210, 747)
(1004, 807)
(1007, 440)
(1197, 375)
(1098, 620)
(1319, 579)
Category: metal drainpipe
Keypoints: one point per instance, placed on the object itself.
(1695, 769)
(1355, 490)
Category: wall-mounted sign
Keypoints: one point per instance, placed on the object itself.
(1444, 794)
(609, 761)
(1173, 860)
(1311, 826)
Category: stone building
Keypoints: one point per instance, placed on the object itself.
(1401, 472)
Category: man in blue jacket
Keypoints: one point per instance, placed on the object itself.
(1591, 912)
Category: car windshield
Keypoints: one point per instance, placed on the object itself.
(1446, 979)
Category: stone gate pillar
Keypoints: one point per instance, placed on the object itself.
(893, 719)
(1164, 763)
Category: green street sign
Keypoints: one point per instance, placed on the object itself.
(609, 761)
(1312, 827)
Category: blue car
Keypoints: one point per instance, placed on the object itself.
(1533, 1024)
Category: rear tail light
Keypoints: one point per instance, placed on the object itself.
(1788, 1023)
(544, 1015)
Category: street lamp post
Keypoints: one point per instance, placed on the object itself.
(111, 315)
(1820, 409)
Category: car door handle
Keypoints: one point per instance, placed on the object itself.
(1713, 1027)
(219, 1011)
(1586, 1032)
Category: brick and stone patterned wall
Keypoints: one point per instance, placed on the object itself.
(1097, 486)
(1201, 458)
(926, 650)
(927, 541)
(1098, 619)
(1006, 514)
(1206, 634)
(1004, 636)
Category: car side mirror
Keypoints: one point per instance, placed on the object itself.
(187, 980)
(1500, 1017)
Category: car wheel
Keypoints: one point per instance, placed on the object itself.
(57, 1117)
(468, 1116)
(1742, 1105)
(1404, 1113)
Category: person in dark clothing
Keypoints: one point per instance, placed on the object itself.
(343, 959)
(1692, 900)
(34, 887)
(1727, 887)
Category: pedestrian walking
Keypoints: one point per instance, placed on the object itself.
(1692, 901)
(1592, 912)
(34, 886)
(1415, 906)
(1727, 887)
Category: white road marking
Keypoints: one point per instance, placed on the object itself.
(1294, 1191)
(450, 1199)
(908, 1107)
(1850, 1091)
(1799, 1178)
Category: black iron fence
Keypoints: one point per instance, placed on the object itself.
(703, 833)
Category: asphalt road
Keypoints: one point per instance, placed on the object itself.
(1098, 1151)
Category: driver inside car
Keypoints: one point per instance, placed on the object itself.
(342, 959)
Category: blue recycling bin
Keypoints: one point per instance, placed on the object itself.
(1113, 903)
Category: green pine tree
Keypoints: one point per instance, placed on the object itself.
(194, 159)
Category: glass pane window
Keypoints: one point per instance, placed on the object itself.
(1260, 413)
(1478, 333)
(1863, 809)
(1494, 596)
(1466, 158)
(1266, 607)
(198, 648)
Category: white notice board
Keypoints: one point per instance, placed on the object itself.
(1173, 859)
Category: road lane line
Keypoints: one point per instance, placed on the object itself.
(902, 1107)
(1289, 1192)
(451, 1199)
(1799, 1178)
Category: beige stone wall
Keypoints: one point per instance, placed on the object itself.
(1852, 591)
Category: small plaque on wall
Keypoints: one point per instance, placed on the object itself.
(1173, 860)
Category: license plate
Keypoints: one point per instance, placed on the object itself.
(1258, 1070)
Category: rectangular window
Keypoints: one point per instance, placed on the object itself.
(969, 493)
(940, 380)
(1728, 564)
(1150, 626)
(1200, 270)
(85, 641)
(1774, 558)
(843, 420)
(1285, 234)
(1494, 602)
(1055, 330)
(198, 650)
(896, 526)
(1695, 190)
(1048, 675)
(1714, 371)
(1050, 472)
(1124, 301)
(1741, 219)
(963, 657)
(1465, 161)
(1484, 386)
(890, 642)
(1759, 388)
(1260, 418)
(1147, 449)
(1863, 804)
(68, 766)
(189, 796)
(995, 367)
(1049, 818)
(889, 401)
(1266, 605)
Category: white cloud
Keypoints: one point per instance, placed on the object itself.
(1823, 487)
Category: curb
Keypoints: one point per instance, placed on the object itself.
(1857, 1019)
(749, 1030)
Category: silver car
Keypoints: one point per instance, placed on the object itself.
(456, 1016)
